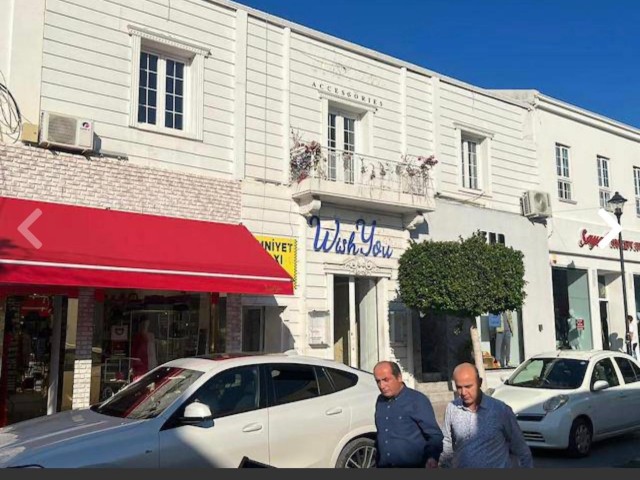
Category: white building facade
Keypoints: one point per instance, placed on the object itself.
(584, 159)
(339, 141)
(333, 156)
(150, 86)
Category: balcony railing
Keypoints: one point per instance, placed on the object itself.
(411, 175)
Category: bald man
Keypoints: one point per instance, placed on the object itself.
(480, 431)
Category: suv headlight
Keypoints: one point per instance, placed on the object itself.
(555, 403)
(489, 391)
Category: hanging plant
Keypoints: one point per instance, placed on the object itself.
(412, 166)
(304, 158)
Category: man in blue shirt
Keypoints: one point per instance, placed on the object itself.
(480, 431)
(408, 433)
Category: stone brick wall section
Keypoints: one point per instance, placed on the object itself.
(84, 342)
(38, 174)
(234, 323)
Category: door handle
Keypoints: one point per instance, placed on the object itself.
(334, 411)
(622, 395)
(252, 427)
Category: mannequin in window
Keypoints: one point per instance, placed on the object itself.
(562, 329)
(503, 339)
(143, 350)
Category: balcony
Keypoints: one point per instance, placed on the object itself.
(320, 175)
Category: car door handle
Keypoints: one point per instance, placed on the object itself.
(622, 395)
(252, 427)
(334, 411)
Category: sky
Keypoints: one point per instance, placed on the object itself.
(584, 52)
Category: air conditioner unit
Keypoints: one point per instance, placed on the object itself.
(65, 131)
(536, 204)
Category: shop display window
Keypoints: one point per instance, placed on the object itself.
(572, 309)
(25, 371)
(501, 340)
(142, 331)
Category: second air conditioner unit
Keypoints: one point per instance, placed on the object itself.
(536, 204)
(65, 131)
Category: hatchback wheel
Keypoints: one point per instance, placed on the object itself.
(580, 438)
(358, 453)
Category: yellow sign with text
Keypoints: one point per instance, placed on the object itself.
(284, 250)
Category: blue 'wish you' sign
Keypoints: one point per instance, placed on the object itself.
(360, 242)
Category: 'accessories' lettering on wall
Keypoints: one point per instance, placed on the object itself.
(325, 87)
(362, 241)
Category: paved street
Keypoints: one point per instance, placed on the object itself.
(616, 452)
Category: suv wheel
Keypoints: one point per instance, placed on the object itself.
(358, 453)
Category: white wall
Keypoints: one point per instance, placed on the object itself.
(587, 142)
(258, 84)
(588, 136)
(21, 32)
(312, 61)
(266, 148)
(6, 24)
(87, 66)
(250, 102)
(512, 164)
(288, 72)
(450, 221)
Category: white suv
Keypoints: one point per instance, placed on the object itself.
(280, 410)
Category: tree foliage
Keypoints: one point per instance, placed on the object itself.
(469, 277)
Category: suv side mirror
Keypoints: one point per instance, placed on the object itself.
(197, 413)
(600, 385)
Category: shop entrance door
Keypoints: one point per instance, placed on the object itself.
(30, 359)
(355, 321)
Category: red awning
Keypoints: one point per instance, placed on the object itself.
(53, 244)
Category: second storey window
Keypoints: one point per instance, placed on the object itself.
(167, 88)
(470, 167)
(562, 170)
(161, 92)
(636, 183)
(341, 142)
(603, 182)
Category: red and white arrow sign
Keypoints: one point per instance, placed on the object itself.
(613, 224)
(23, 228)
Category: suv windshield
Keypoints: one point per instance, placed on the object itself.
(150, 395)
(551, 373)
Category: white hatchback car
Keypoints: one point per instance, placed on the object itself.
(280, 410)
(568, 399)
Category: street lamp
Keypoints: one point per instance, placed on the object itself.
(618, 201)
